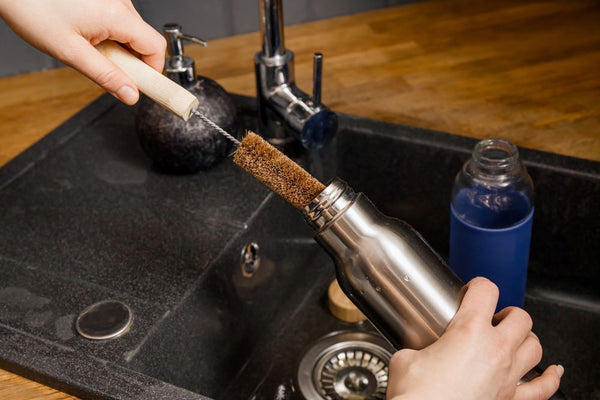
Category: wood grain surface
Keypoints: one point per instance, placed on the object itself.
(14, 387)
(524, 70)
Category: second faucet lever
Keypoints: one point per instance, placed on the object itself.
(317, 78)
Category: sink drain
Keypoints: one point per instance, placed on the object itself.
(346, 366)
(104, 320)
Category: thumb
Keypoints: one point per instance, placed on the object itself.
(90, 62)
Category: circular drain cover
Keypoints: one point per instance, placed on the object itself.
(104, 320)
(346, 366)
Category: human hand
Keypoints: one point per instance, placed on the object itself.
(480, 356)
(69, 29)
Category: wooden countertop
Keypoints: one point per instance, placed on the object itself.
(523, 70)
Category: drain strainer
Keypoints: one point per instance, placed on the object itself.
(346, 366)
(104, 320)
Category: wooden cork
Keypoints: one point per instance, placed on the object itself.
(341, 306)
(277, 171)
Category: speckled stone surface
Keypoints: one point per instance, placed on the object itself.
(94, 210)
(84, 217)
(179, 146)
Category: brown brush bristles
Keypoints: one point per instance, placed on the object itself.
(276, 171)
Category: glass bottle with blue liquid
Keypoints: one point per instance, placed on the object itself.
(491, 216)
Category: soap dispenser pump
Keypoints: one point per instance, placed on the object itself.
(174, 145)
(178, 67)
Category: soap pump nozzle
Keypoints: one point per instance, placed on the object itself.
(179, 67)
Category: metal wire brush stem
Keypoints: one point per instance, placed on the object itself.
(217, 127)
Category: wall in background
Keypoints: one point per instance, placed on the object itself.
(209, 19)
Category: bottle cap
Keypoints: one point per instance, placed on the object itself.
(341, 306)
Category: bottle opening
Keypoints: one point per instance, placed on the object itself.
(331, 202)
(496, 155)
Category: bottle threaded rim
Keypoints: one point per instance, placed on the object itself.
(330, 203)
(496, 154)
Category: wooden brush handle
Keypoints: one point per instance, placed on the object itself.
(150, 82)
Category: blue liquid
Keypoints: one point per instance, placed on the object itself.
(491, 208)
(490, 233)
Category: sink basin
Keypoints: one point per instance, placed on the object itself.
(86, 218)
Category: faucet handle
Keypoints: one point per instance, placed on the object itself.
(322, 124)
(317, 78)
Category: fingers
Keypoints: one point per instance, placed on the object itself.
(68, 30)
(129, 4)
(156, 59)
(402, 357)
(541, 387)
(123, 24)
(528, 355)
(514, 323)
(479, 302)
(141, 37)
(398, 367)
(98, 68)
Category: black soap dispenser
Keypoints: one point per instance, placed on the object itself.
(174, 145)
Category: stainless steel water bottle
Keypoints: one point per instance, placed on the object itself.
(385, 267)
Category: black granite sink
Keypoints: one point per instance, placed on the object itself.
(86, 218)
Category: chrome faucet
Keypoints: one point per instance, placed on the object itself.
(286, 113)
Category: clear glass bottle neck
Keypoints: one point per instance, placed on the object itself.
(493, 190)
(495, 157)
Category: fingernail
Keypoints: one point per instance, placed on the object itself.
(560, 370)
(127, 95)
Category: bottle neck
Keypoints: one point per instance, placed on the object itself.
(329, 204)
(493, 190)
(495, 159)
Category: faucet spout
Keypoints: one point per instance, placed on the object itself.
(271, 16)
(286, 113)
